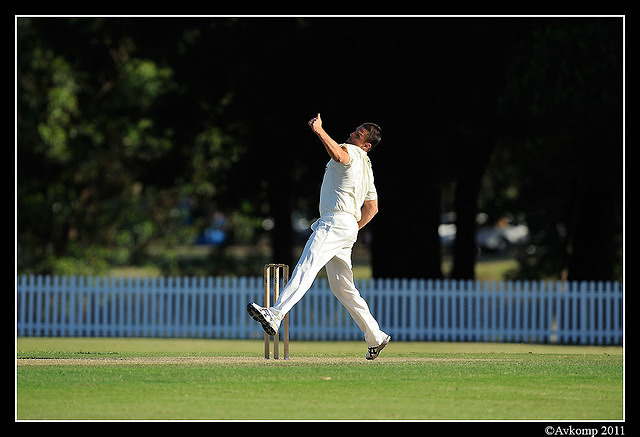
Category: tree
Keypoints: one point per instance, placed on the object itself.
(104, 159)
(135, 131)
(564, 97)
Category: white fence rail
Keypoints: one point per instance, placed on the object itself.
(409, 310)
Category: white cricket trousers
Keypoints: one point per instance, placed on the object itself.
(330, 245)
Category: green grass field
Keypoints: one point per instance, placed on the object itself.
(184, 379)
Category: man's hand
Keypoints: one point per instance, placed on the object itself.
(334, 150)
(316, 123)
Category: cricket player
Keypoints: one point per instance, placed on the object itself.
(348, 201)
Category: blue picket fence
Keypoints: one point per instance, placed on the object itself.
(410, 310)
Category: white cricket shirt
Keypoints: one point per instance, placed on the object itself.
(345, 187)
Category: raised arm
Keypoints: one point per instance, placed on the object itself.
(337, 153)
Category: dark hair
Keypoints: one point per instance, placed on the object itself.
(374, 134)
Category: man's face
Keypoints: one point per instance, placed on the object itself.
(358, 137)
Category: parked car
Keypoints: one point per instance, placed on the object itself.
(502, 236)
(497, 238)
